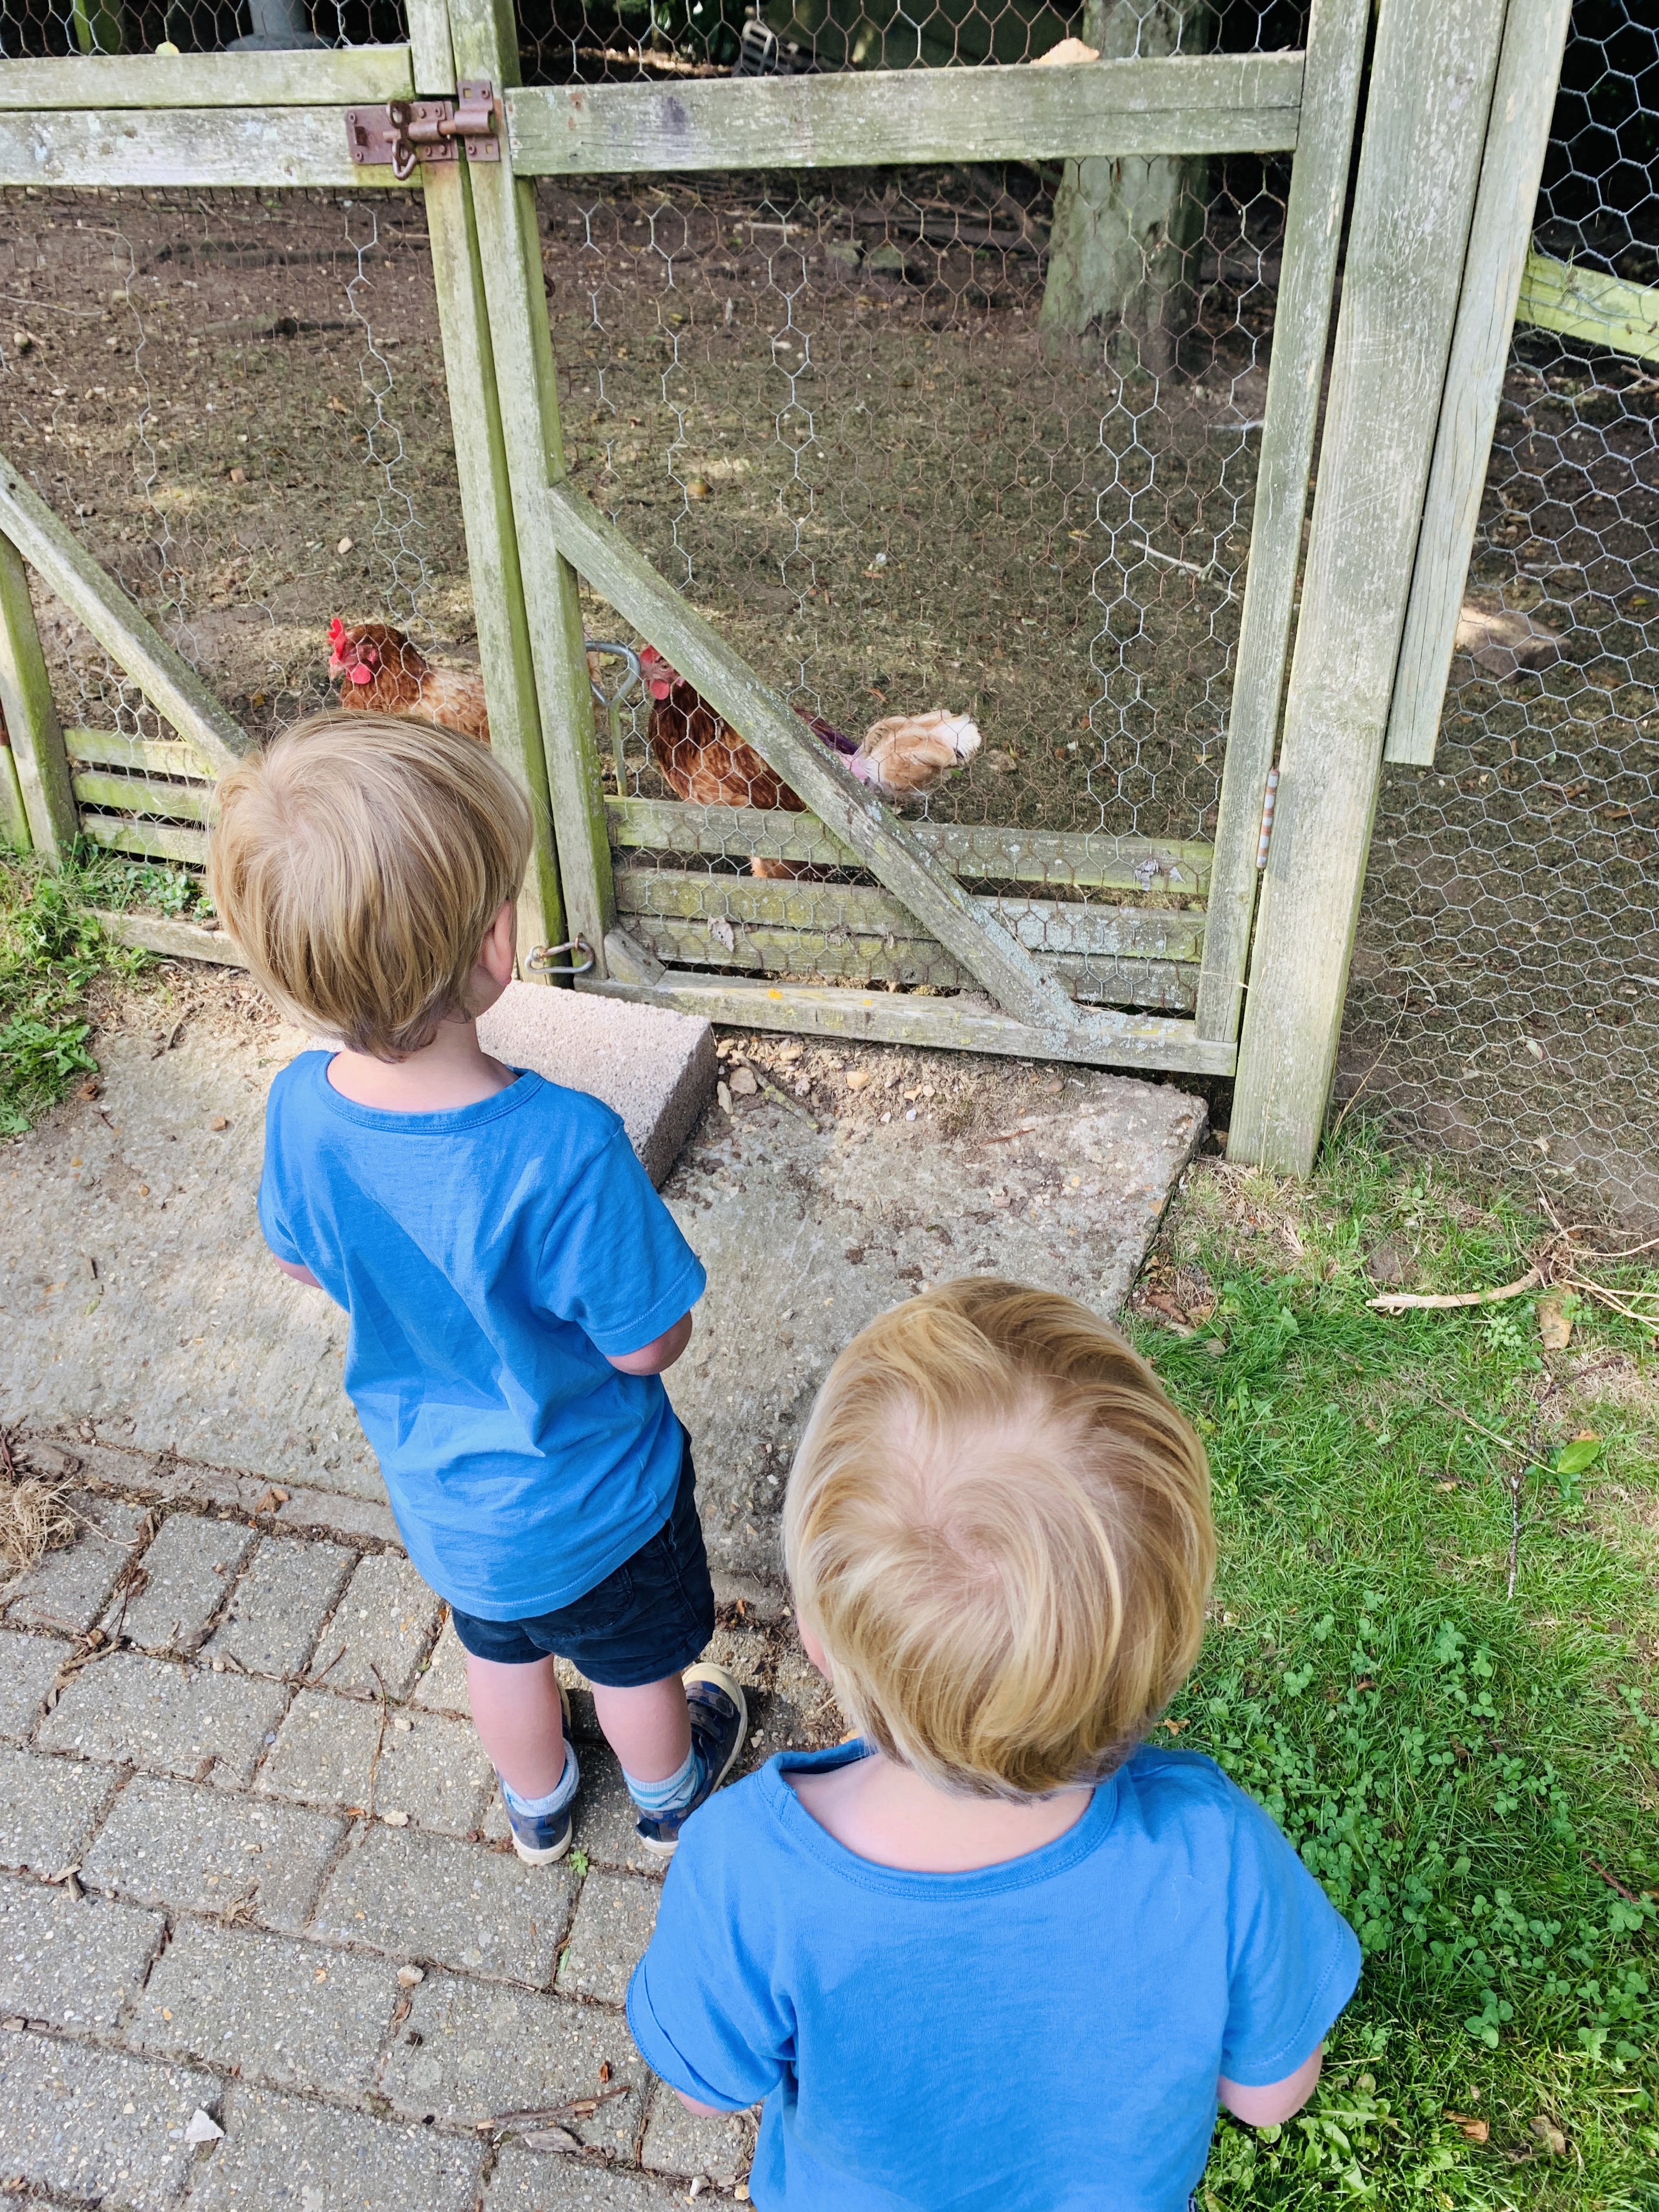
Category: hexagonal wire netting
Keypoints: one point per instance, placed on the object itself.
(1504, 1003)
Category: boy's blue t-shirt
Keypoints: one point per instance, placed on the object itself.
(1046, 2031)
(489, 1257)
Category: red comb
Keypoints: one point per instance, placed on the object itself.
(336, 630)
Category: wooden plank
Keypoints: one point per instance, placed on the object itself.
(174, 940)
(342, 76)
(181, 146)
(1215, 104)
(485, 44)
(150, 756)
(1053, 925)
(1426, 122)
(886, 844)
(152, 840)
(492, 544)
(431, 54)
(1313, 230)
(1169, 986)
(1062, 859)
(1590, 304)
(14, 834)
(1142, 1041)
(153, 796)
(37, 740)
(1500, 236)
(94, 597)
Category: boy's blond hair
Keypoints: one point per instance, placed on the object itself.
(358, 863)
(998, 1526)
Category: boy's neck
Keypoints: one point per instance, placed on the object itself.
(894, 1818)
(453, 1070)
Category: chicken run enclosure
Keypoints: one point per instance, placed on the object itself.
(716, 386)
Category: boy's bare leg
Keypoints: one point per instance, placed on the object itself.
(516, 1712)
(648, 1729)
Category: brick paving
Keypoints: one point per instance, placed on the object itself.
(238, 1794)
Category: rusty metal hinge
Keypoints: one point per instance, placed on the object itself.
(412, 130)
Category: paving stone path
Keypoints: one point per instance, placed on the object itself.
(255, 1865)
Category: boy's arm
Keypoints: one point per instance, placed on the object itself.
(299, 1274)
(1268, 2104)
(662, 1350)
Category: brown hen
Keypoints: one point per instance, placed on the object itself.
(378, 671)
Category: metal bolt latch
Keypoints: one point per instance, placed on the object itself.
(409, 131)
(541, 961)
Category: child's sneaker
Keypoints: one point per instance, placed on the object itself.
(719, 1722)
(541, 1838)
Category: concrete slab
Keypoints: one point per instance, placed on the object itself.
(186, 1569)
(29, 1667)
(615, 1916)
(425, 1898)
(97, 2126)
(654, 1067)
(383, 1626)
(678, 2141)
(178, 1844)
(69, 1960)
(441, 1684)
(469, 2049)
(434, 1772)
(48, 1808)
(168, 1718)
(545, 2181)
(69, 1587)
(285, 2155)
(277, 1611)
(289, 2014)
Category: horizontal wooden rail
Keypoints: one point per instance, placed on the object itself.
(343, 77)
(175, 941)
(155, 799)
(892, 1018)
(1052, 926)
(170, 684)
(167, 756)
(1210, 104)
(148, 840)
(182, 147)
(1060, 860)
(1590, 304)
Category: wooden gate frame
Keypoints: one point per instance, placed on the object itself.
(1304, 102)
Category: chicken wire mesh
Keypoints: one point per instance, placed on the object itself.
(40, 28)
(236, 400)
(1504, 1003)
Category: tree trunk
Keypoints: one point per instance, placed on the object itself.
(1126, 233)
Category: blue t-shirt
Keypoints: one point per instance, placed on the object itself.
(1046, 2031)
(489, 1257)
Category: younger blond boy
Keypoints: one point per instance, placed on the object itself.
(999, 1950)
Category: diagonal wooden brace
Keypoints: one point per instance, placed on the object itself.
(598, 550)
(93, 597)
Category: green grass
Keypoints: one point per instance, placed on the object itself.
(52, 949)
(1448, 1761)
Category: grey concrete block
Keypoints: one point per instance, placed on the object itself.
(285, 2155)
(70, 1589)
(200, 1849)
(97, 2126)
(350, 1517)
(546, 2181)
(187, 1570)
(469, 2049)
(615, 1916)
(28, 1666)
(442, 1683)
(654, 1067)
(70, 1961)
(48, 1808)
(435, 1771)
(678, 2141)
(287, 2015)
(165, 1718)
(457, 1904)
(382, 1626)
(278, 1608)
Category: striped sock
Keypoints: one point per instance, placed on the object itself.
(654, 1799)
(539, 1809)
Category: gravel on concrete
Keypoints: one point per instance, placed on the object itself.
(678, 2141)
(434, 1771)
(212, 1850)
(70, 1589)
(549, 2181)
(283, 2154)
(97, 2125)
(165, 1717)
(48, 1808)
(608, 1936)
(29, 1667)
(277, 1611)
(187, 1568)
(427, 1898)
(383, 1628)
(70, 1961)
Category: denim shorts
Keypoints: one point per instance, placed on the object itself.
(648, 1619)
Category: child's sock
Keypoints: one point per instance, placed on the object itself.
(539, 1809)
(654, 1799)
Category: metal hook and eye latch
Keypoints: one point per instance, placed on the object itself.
(542, 962)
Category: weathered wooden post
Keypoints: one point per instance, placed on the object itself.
(37, 765)
(1126, 230)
